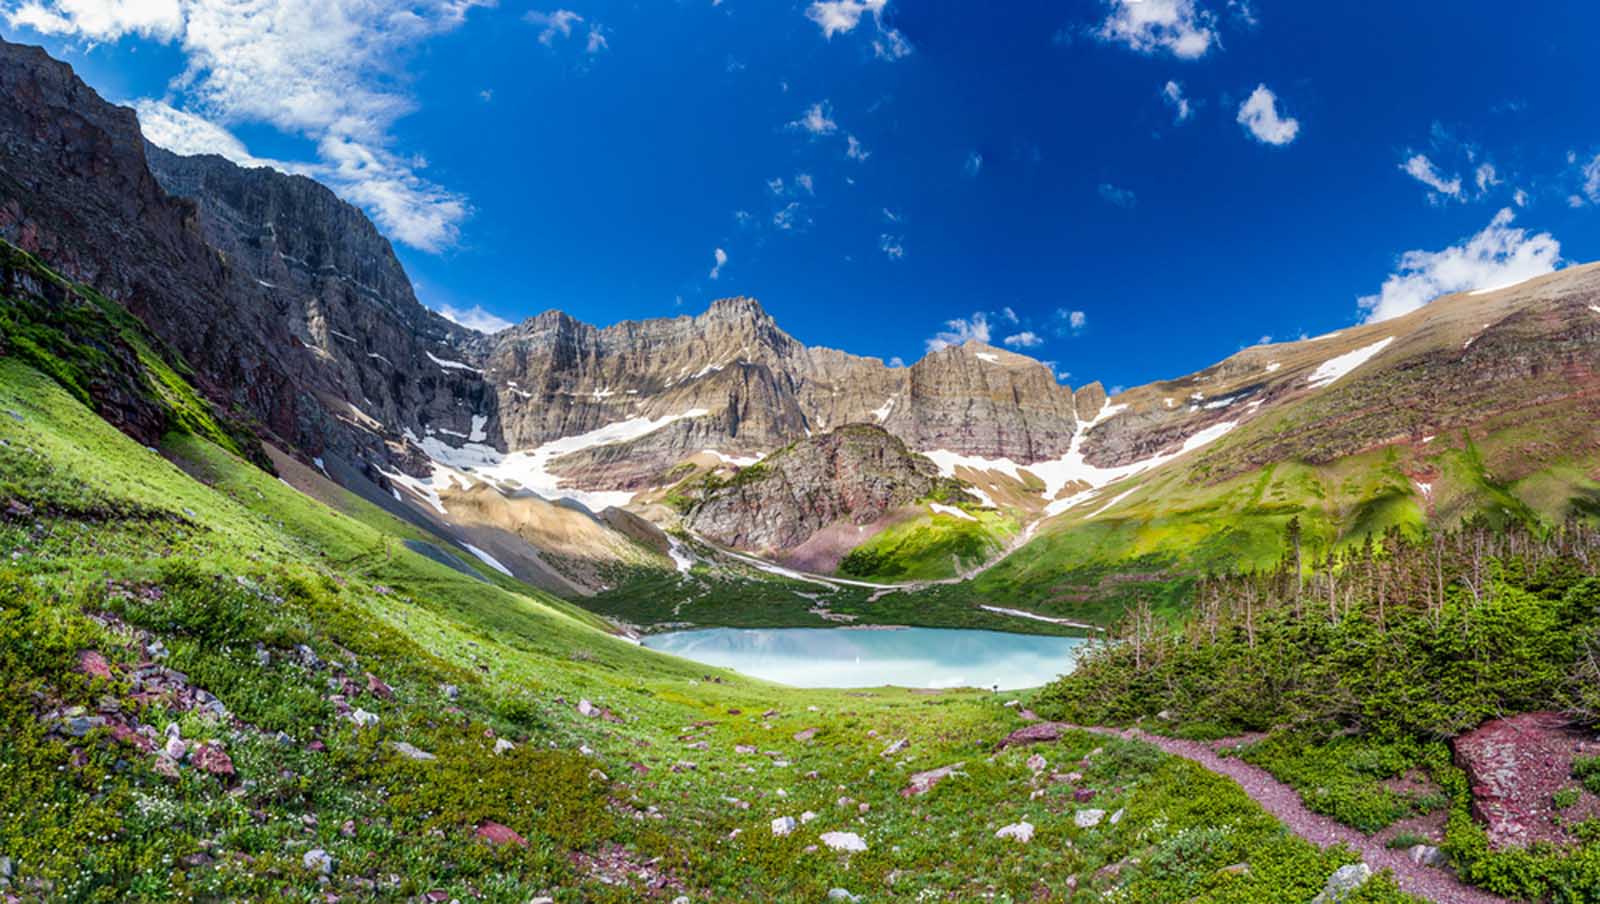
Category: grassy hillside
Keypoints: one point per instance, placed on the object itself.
(219, 688)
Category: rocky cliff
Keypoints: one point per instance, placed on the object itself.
(856, 474)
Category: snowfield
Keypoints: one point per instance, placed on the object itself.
(1337, 367)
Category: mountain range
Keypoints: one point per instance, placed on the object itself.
(716, 455)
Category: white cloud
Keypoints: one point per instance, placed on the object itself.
(1179, 27)
(890, 44)
(891, 216)
(805, 181)
(1591, 179)
(1074, 321)
(1520, 198)
(474, 318)
(1259, 114)
(961, 330)
(775, 185)
(974, 164)
(1024, 339)
(1487, 177)
(1009, 315)
(190, 135)
(100, 20)
(1499, 256)
(893, 246)
(1420, 168)
(854, 150)
(818, 119)
(1182, 110)
(842, 16)
(597, 39)
(721, 257)
(331, 71)
(1120, 197)
(790, 216)
(897, 361)
(553, 24)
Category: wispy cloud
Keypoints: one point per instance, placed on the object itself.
(1501, 255)
(854, 150)
(817, 120)
(1422, 169)
(554, 24)
(1070, 322)
(720, 257)
(892, 246)
(973, 165)
(1182, 109)
(1024, 339)
(1119, 197)
(474, 318)
(961, 330)
(1260, 117)
(842, 16)
(1181, 28)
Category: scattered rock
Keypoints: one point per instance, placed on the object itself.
(175, 748)
(783, 825)
(807, 816)
(1018, 831)
(745, 749)
(1237, 869)
(1515, 766)
(805, 735)
(502, 745)
(211, 758)
(1083, 795)
(923, 782)
(1428, 855)
(1344, 881)
(165, 766)
(843, 841)
(318, 860)
(93, 664)
(895, 747)
(1037, 763)
(1088, 819)
(1036, 733)
(364, 719)
(412, 753)
(499, 835)
(585, 708)
(378, 689)
(841, 894)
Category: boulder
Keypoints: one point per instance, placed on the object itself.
(499, 835)
(1021, 832)
(923, 782)
(1088, 819)
(843, 841)
(1515, 766)
(783, 825)
(1343, 883)
(1035, 733)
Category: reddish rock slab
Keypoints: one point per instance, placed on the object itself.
(1515, 767)
(93, 664)
(1036, 733)
(499, 835)
(923, 782)
(211, 758)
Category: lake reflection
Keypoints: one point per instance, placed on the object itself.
(853, 657)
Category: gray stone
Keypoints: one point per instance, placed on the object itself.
(1088, 819)
(783, 825)
(1428, 855)
(318, 861)
(841, 894)
(1018, 831)
(412, 753)
(844, 841)
(1344, 881)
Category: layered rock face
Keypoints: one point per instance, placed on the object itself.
(288, 304)
(857, 473)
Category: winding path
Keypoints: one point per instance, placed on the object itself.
(1438, 885)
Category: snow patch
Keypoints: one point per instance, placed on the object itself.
(488, 560)
(320, 466)
(1129, 492)
(680, 557)
(529, 468)
(451, 365)
(1595, 308)
(882, 412)
(951, 510)
(1337, 367)
(985, 356)
(736, 461)
(1272, 366)
(478, 434)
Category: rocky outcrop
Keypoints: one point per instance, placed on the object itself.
(857, 473)
(1515, 766)
(287, 303)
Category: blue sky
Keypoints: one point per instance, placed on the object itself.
(1130, 189)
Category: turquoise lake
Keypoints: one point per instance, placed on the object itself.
(872, 657)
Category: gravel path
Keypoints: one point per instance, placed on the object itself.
(1438, 885)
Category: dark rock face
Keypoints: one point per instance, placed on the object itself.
(1516, 766)
(287, 303)
(857, 473)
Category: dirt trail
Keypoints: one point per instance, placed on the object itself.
(1438, 885)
